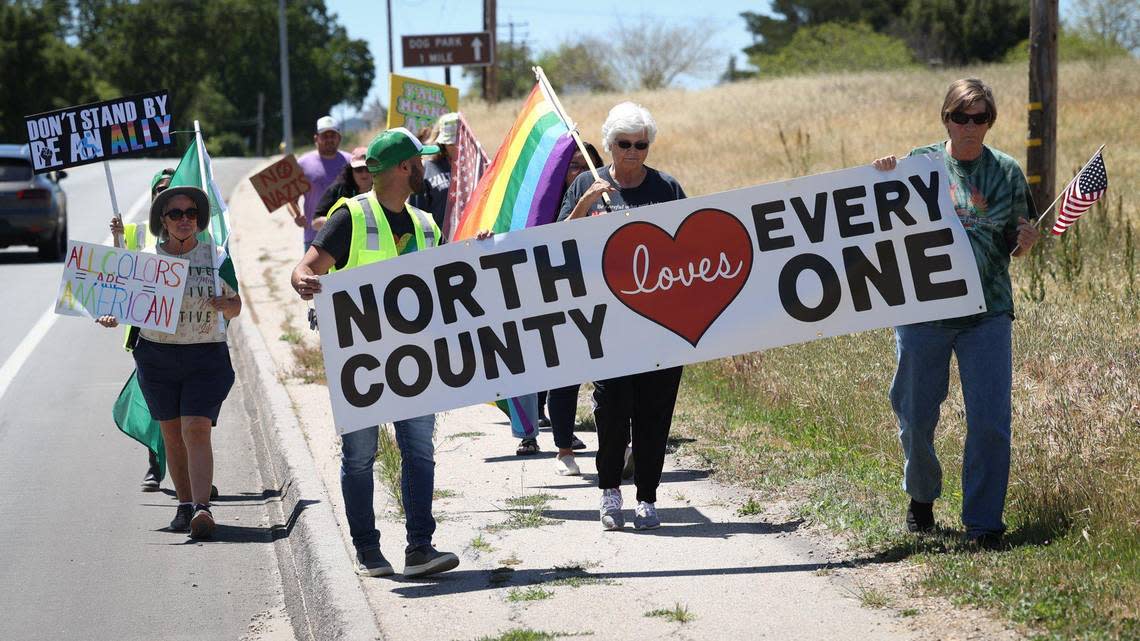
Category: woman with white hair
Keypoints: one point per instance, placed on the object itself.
(637, 405)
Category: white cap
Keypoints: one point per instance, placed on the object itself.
(448, 129)
(327, 123)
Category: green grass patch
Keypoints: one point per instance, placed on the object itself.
(310, 364)
(527, 634)
(522, 519)
(532, 593)
(444, 494)
(480, 544)
(540, 501)
(677, 614)
(751, 507)
(466, 435)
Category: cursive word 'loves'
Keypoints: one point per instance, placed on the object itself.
(666, 277)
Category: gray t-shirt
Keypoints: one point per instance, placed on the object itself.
(658, 187)
(437, 181)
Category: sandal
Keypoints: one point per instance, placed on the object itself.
(527, 447)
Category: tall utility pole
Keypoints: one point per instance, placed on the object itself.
(1041, 143)
(286, 96)
(258, 148)
(490, 87)
(391, 64)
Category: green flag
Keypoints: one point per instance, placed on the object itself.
(189, 174)
(133, 418)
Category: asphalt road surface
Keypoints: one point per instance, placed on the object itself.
(83, 553)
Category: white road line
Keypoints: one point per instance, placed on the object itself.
(24, 350)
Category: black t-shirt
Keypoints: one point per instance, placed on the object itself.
(658, 187)
(335, 192)
(437, 181)
(336, 235)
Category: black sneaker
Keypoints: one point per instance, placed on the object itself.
(372, 563)
(987, 541)
(543, 421)
(213, 492)
(181, 522)
(202, 524)
(428, 560)
(577, 444)
(920, 517)
(150, 482)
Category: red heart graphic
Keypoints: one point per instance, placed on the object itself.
(683, 282)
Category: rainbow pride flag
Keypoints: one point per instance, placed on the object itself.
(523, 185)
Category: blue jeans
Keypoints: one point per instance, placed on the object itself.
(985, 366)
(562, 405)
(417, 481)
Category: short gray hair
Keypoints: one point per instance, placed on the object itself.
(627, 118)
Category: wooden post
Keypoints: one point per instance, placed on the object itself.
(1041, 142)
(259, 150)
(490, 87)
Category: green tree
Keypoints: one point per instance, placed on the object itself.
(1113, 22)
(773, 32)
(833, 47)
(215, 58)
(38, 70)
(956, 32)
(579, 66)
(1072, 45)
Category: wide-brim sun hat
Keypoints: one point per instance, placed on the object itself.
(448, 129)
(193, 193)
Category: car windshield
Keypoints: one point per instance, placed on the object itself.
(13, 169)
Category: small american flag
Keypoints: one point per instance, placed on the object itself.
(1089, 185)
(466, 169)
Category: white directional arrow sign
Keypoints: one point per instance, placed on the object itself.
(477, 45)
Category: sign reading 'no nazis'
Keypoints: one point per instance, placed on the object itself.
(659, 286)
(99, 131)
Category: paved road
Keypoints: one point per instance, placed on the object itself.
(84, 554)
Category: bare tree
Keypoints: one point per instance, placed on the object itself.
(653, 54)
(1115, 22)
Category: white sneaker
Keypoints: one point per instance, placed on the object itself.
(611, 510)
(566, 466)
(645, 516)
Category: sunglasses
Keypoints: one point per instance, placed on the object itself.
(640, 145)
(961, 117)
(177, 214)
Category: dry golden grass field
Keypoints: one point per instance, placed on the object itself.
(813, 422)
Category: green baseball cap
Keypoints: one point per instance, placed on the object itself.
(393, 147)
(160, 176)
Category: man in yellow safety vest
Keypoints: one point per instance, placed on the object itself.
(375, 226)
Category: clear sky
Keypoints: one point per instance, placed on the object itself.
(542, 23)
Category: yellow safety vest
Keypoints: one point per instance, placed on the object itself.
(372, 235)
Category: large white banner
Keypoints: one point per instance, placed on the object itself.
(643, 289)
(138, 288)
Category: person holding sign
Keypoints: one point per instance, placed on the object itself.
(640, 405)
(321, 167)
(993, 202)
(185, 376)
(368, 228)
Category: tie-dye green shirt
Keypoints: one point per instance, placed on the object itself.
(989, 194)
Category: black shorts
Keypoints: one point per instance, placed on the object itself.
(184, 380)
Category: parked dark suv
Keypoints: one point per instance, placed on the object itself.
(33, 208)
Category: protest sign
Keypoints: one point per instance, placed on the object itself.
(643, 289)
(280, 183)
(418, 103)
(99, 131)
(139, 288)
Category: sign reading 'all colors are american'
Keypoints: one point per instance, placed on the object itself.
(99, 131)
(142, 289)
(663, 285)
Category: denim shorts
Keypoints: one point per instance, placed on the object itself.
(184, 380)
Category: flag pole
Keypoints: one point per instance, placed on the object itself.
(1060, 194)
(572, 126)
(118, 236)
(206, 188)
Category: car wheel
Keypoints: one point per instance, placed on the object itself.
(53, 249)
